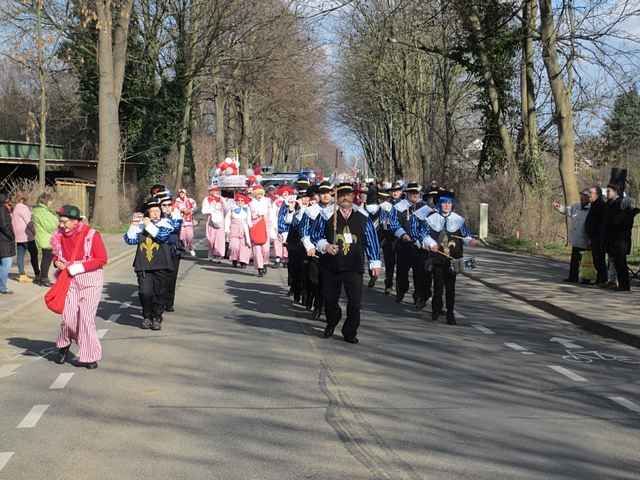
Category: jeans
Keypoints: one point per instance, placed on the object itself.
(33, 256)
(5, 266)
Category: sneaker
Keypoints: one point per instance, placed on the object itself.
(23, 278)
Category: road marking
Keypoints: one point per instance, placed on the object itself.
(4, 459)
(567, 373)
(33, 417)
(626, 403)
(61, 382)
(516, 347)
(102, 332)
(113, 317)
(565, 342)
(483, 329)
(8, 370)
(125, 305)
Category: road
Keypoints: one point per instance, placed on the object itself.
(240, 385)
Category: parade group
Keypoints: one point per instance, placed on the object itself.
(326, 235)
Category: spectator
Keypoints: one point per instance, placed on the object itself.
(45, 222)
(577, 214)
(25, 237)
(7, 243)
(618, 226)
(594, 227)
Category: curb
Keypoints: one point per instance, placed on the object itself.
(587, 324)
(40, 296)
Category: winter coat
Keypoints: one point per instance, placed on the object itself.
(577, 219)
(21, 222)
(595, 224)
(7, 238)
(45, 223)
(618, 226)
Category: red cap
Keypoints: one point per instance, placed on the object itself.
(285, 189)
(241, 197)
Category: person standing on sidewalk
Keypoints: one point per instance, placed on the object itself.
(618, 226)
(45, 223)
(25, 238)
(578, 239)
(595, 230)
(80, 250)
(7, 243)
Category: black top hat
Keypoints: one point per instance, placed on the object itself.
(152, 202)
(344, 188)
(395, 187)
(414, 187)
(325, 187)
(618, 179)
(70, 211)
(372, 195)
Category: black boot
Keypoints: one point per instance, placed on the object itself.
(328, 331)
(62, 355)
(372, 282)
(451, 319)
(146, 324)
(261, 272)
(387, 290)
(170, 309)
(421, 303)
(234, 263)
(156, 324)
(435, 315)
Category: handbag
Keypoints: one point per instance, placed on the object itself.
(258, 232)
(57, 293)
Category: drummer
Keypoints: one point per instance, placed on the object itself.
(443, 232)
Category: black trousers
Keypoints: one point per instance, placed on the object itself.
(599, 261)
(172, 284)
(389, 254)
(153, 290)
(618, 256)
(296, 270)
(332, 284)
(45, 264)
(444, 280)
(412, 258)
(574, 266)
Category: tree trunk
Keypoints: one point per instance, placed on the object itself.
(472, 19)
(221, 150)
(184, 132)
(42, 162)
(562, 102)
(112, 49)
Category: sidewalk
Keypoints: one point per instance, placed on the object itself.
(27, 293)
(538, 282)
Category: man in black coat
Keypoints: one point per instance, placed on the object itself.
(7, 243)
(595, 230)
(618, 226)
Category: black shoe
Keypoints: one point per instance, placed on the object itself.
(421, 303)
(372, 282)
(434, 316)
(45, 283)
(62, 355)
(260, 272)
(264, 269)
(146, 324)
(234, 263)
(170, 309)
(353, 340)
(451, 319)
(88, 365)
(399, 297)
(570, 280)
(156, 324)
(328, 332)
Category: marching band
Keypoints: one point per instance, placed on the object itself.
(326, 236)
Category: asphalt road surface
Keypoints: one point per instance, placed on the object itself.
(240, 385)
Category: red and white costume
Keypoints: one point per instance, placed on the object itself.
(237, 221)
(282, 196)
(261, 209)
(85, 291)
(186, 206)
(214, 207)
